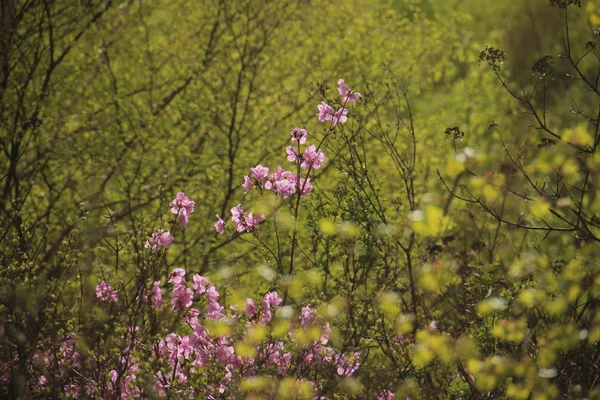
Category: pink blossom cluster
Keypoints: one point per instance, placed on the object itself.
(328, 113)
(187, 357)
(312, 157)
(127, 386)
(65, 364)
(106, 293)
(244, 222)
(156, 295)
(280, 181)
(276, 356)
(181, 206)
(160, 239)
(318, 353)
(348, 95)
(287, 183)
(192, 354)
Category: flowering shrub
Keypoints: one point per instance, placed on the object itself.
(248, 344)
(195, 361)
(349, 270)
(207, 349)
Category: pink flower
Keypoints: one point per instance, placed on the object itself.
(244, 222)
(224, 353)
(180, 202)
(252, 221)
(212, 293)
(250, 308)
(156, 293)
(285, 187)
(214, 310)
(69, 354)
(183, 207)
(5, 377)
(271, 299)
(267, 315)
(160, 239)
(184, 217)
(72, 390)
(201, 284)
(133, 329)
(182, 298)
(284, 363)
(112, 376)
(305, 186)
(237, 214)
(326, 354)
(292, 156)
(347, 366)
(162, 381)
(248, 185)
(348, 96)
(191, 316)
(186, 348)
(339, 116)
(385, 395)
(285, 183)
(325, 112)
(166, 239)
(276, 357)
(326, 333)
(179, 375)
(312, 158)
(176, 277)
(219, 225)
(170, 345)
(306, 316)
(106, 293)
(280, 174)
(240, 226)
(299, 135)
(259, 172)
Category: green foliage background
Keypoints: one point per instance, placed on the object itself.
(110, 109)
